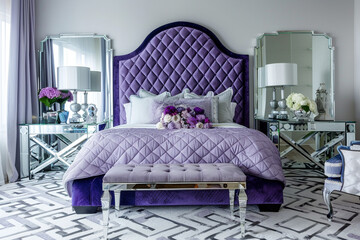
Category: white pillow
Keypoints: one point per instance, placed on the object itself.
(233, 107)
(351, 171)
(142, 108)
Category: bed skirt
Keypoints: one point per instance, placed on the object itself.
(268, 194)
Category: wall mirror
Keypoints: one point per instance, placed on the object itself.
(84, 50)
(314, 56)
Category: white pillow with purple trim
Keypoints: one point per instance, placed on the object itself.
(224, 110)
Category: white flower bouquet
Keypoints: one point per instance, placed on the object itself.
(297, 101)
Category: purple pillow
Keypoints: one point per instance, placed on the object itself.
(209, 104)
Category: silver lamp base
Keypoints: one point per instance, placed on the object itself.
(283, 114)
(76, 117)
(274, 105)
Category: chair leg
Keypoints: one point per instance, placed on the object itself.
(326, 195)
(105, 205)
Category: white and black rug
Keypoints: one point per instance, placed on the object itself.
(40, 209)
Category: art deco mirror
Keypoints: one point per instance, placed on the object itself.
(313, 55)
(84, 50)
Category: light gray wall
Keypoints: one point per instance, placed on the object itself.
(236, 22)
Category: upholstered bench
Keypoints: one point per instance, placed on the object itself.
(174, 177)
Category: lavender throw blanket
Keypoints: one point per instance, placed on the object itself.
(249, 149)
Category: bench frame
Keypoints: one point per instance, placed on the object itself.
(118, 187)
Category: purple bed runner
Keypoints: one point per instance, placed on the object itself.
(247, 148)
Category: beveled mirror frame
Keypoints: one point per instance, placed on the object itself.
(259, 62)
(108, 95)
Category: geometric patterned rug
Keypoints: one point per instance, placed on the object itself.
(40, 209)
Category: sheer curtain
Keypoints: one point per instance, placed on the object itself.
(18, 89)
(5, 167)
(22, 80)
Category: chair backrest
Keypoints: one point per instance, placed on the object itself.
(355, 142)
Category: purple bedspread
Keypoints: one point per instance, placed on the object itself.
(249, 149)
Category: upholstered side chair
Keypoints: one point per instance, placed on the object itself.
(343, 172)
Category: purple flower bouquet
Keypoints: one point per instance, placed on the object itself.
(51, 95)
(183, 117)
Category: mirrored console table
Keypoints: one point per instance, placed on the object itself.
(33, 135)
(293, 135)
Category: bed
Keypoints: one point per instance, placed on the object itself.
(174, 57)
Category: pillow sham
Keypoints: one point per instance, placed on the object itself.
(144, 93)
(127, 107)
(224, 108)
(141, 110)
(194, 95)
(209, 105)
(233, 108)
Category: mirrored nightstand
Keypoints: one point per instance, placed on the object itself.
(293, 135)
(71, 135)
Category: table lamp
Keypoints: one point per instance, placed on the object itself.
(76, 79)
(95, 86)
(280, 75)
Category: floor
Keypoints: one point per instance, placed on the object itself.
(40, 209)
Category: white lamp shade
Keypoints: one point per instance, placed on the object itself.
(281, 74)
(74, 78)
(95, 77)
(261, 77)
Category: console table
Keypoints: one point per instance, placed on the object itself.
(327, 134)
(33, 135)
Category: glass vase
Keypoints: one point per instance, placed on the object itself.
(302, 115)
(63, 115)
(51, 115)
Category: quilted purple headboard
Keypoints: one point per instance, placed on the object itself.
(181, 55)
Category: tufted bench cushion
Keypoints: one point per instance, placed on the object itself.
(166, 173)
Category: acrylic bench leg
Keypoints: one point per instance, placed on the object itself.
(231, 200)
(117, 194)
(242, 209)
(105, 205)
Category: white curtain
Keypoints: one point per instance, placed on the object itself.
(5, 166)
(22, 80)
